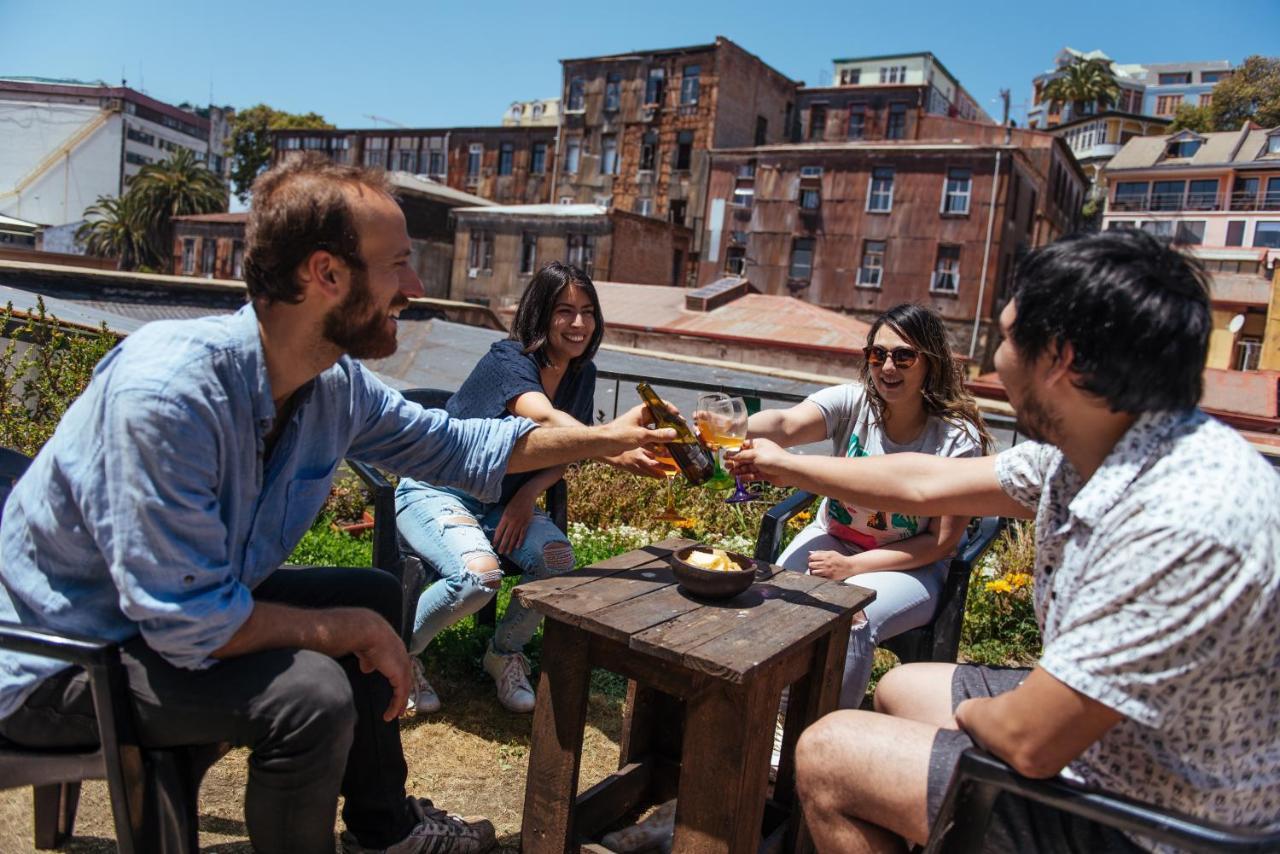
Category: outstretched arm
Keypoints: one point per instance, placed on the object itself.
(537, 407)
(553, 446)
(921, 484)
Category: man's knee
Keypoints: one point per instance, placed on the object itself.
(814, 753)
(312, 705)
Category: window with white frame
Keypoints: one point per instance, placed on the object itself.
(572, 154)
(644, 207)
(871, 271)
(893, 74)
(580, 251)
(801, 267)
(237, 259)
(577, 94)
(506, 158)
(1273, 144)
(857, 121)
(475, 155)
(689, 85)
(735, 260)
(481, 256)
(528, 251)
(880, 191)
(1248, 353)
(744, 185)
(537, 112)
(946, 270)
(609, 155)
(538, 159)
(1267, 234)
(188, 256)
(649, 151)
(655, 86)
(612, 91)
(208, 256)
(956, 191)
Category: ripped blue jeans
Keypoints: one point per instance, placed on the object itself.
(449, 530)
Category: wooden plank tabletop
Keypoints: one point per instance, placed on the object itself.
(634, 599)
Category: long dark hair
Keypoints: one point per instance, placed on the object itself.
(944, 393)
(533, 317)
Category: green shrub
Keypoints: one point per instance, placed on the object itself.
(37, 387)
(323, 546)
(999, 621)
(348, 499)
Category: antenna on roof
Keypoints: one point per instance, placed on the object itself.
(387, 121)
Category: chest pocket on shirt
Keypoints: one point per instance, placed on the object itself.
(303, 501)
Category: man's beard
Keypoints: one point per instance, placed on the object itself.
(356, 327)
(1035, 421)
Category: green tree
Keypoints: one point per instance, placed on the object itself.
(114, 229)
(1191, 117)
(250, 144)
(1082, 82)
(1250, 93)
(177, 186)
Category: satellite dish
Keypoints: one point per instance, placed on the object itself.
(1236, 324)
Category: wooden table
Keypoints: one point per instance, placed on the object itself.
(706, 678)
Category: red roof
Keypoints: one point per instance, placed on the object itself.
(239, 218)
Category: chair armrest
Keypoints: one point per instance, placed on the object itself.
(557, 504)
(64, 646)
(979, 777)
(386, 551)
(769, 542)
(979, 538)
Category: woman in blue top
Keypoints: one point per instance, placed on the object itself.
(543, 372)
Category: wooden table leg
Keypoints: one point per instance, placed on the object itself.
(812, 696)
(556, 749)
(724, 768)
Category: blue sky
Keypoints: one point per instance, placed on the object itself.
(460, 63)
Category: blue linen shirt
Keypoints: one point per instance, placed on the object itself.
(153, 509)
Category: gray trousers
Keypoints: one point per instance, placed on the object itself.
(904, 600)
(314, 724)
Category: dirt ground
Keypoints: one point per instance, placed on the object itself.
(470, 758)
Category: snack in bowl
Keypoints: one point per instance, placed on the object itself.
(714, 559)
(712, 573)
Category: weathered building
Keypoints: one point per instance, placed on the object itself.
(498, 249)
(636, 127)
(212, 245)
(506, 165)
(882, 97)
(862, 225)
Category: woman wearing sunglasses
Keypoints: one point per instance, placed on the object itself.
(911, 398)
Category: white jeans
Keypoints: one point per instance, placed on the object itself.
(904, 600)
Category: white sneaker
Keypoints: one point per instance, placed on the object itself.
(511, 673)
(423, 699)
(437, 832)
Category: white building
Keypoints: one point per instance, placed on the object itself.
(541, 113)
(64, 143)
(945, 94)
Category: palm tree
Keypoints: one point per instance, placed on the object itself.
(112, 228)
(177, 186)
(1082, 82)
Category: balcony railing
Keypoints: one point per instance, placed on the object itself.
(1269, 201)
(1168, 202)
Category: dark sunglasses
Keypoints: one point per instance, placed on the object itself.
(903, 357)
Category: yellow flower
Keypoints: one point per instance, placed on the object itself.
(1000, 585)
(803, 516)
(1018, 579)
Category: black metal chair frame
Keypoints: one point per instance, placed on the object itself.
(153, 792)
(979, 778)
(392, 555)
(939, 640)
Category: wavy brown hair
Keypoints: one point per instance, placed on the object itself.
(944, 393)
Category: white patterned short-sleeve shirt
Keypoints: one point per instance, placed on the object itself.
(1157, 590)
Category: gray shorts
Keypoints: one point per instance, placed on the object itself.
(1017, 825)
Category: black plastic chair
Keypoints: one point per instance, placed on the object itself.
(939, 640)
(979, 778)
(153, 792)
(392, 554)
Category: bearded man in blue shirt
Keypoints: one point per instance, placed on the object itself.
(159, 513)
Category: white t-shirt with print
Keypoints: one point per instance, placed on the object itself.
(1157, 590)
(854, 431)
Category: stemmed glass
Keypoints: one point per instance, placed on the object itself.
(727, 427)
(662, 455)
(701, 419)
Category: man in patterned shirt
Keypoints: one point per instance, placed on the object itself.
(1157, 587)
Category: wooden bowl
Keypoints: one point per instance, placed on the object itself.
(712, 583)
